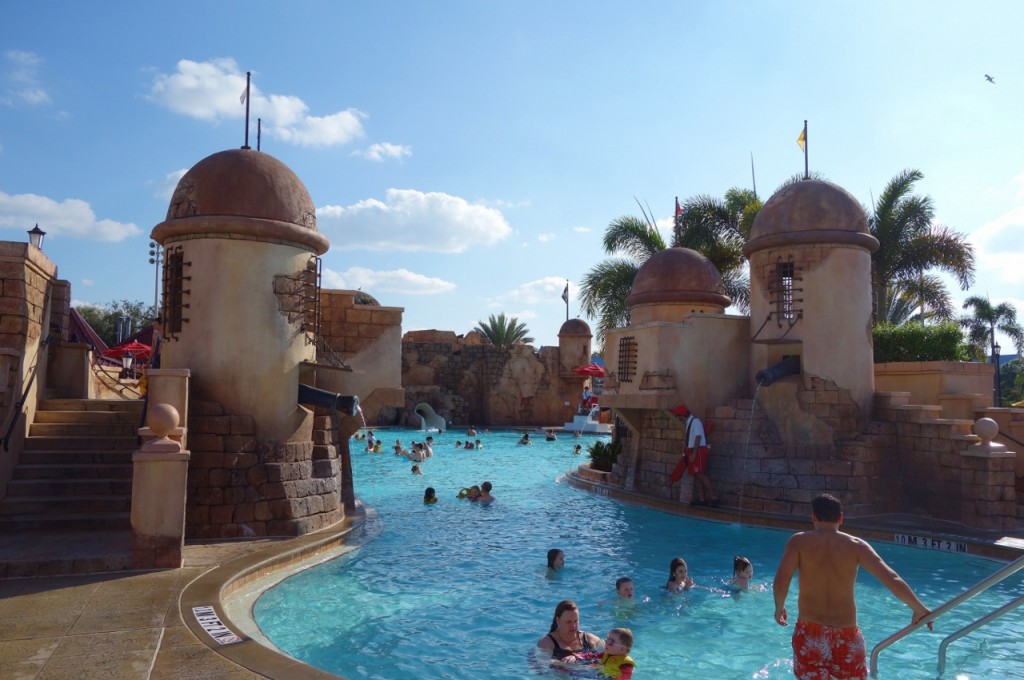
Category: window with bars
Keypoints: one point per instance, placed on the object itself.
(784, 273)
(174, 304)
(627, 358)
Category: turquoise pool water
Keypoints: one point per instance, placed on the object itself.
(460, 590)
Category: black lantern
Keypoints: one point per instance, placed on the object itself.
(35, 236)
(999, 388)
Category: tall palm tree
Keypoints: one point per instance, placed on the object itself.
(910, 245)
(502, 331)
(909, 298)
(606, 286)
(986, 320)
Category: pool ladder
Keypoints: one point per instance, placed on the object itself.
(983, 585)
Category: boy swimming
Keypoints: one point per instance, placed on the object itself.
(614, 661)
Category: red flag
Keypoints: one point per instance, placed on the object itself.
(679, 210)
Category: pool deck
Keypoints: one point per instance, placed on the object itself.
(141, 624)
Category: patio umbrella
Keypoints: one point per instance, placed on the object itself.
(133, 348)
(593, 371)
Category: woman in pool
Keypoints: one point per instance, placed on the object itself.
(556, 560)
(678, 576)
(565, 637)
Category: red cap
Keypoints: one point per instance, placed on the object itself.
(681, 411)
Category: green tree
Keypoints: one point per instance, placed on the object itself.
(606, 286)
(502, 331)
(905, 301)
(910, 245)
(103, 318)
(985, 320)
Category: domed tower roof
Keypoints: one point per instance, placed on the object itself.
(575, 327)
(247, 193)
(810, 211)
(678, 275)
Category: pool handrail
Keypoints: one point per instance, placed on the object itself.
(980, 587)
(971, 627)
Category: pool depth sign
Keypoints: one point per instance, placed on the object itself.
(943, 544)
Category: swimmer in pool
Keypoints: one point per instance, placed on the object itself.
(429, 496)
(577, 450)
(624, 588)
(742, 572)
(525, 440)
(556, 560)
(678, 576)
(614, 661)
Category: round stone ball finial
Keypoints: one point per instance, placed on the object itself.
(987, 429)
(162, 419)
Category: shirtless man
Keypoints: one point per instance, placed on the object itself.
(826, 640)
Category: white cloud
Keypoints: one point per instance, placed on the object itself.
(411, 220)
(581, 230)
(548, 289)
(395, 281)
(87, 282)
(211, 91)
(383, 151)
(21, 69)
(999, 244)
(165, 188)
(70, 217)
(545, 238)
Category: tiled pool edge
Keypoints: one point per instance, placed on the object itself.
(216, 586)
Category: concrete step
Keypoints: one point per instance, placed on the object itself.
(64, 505)
(77, 443)
(79, 457)
(71, 471)
(51, 487)
(125, 405)
(97, 521)
(132, 418)
(76, 430)
(55, 551)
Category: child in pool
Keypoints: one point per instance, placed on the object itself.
(614, 661)
(624, 588)
(472, 493)
(416, 470)
(678, 576)
(742, 572)
(577, 450)
(429, 496)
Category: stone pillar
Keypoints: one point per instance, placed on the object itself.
(159, 475)
(986, 487)
(168, 386)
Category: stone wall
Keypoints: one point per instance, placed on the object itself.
(467, 382)
(238, 486)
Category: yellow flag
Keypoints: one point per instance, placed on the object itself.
(801, 140)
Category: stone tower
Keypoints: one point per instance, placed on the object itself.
(810, 286)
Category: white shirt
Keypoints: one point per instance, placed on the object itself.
(696, 429)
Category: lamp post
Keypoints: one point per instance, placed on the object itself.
(155, 256)
(999, 388)
(126, 363)
(35, 236)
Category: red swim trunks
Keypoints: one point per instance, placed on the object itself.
(821, 652)
(698, 460)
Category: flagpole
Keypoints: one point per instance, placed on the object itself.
(259, 132)
(753, 180)
(248, 80)
(567, 299)
(807, 173)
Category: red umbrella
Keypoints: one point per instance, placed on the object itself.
(593, 371)
(133, 348)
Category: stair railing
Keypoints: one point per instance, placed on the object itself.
(980, 587)
(33, 370)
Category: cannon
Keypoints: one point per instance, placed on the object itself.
(347, 404)
(788, 366)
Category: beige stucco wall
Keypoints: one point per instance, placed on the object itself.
(701, 362)
(928, 381)
(238, 342)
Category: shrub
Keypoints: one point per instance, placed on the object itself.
(916, 342)
(603, 455)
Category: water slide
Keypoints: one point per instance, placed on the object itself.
(428, 419)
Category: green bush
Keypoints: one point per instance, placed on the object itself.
(916, 342)
(603, 455)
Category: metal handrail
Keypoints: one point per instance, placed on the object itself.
(971, 627)
(24, 396)
(980, 587)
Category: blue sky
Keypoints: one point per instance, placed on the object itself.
(465, 157)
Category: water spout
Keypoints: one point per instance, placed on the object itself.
(347, 404)
(788, 366)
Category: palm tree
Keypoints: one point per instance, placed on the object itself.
(606, 286)
(503, 332)
(910, 245)
(908, 299)
(986, 320)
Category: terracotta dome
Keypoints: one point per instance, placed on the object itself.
(678, 275)
(575, 327)
(243, 192)
(810, 211)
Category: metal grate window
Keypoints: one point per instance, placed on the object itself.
(783, 289)
(627, 358)
(175, 291)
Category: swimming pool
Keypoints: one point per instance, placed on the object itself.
(460, 590)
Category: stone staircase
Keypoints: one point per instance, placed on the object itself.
(75, 473)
